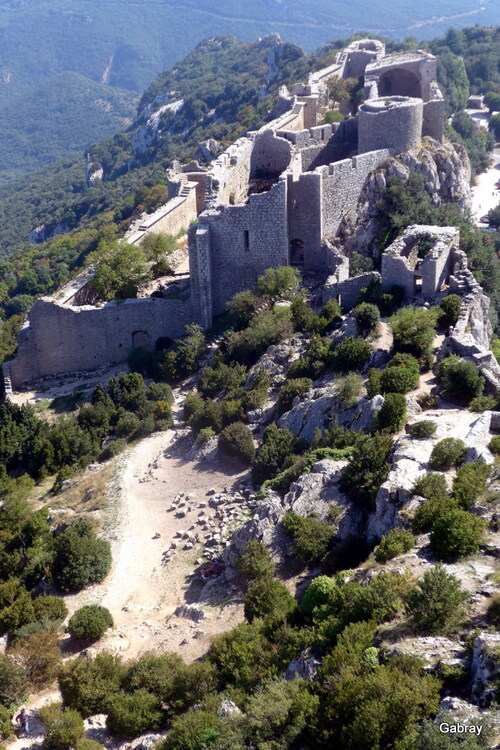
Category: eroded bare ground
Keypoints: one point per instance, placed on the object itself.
(142, 591)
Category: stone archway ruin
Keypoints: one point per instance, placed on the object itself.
(399, 82)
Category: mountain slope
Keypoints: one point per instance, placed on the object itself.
(65, 113)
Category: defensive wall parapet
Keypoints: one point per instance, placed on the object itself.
(61, 339)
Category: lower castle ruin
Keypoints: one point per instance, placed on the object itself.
(277, 196)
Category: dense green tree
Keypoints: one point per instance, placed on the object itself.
(268, 598)
(90, 622)
(81, 558)
(63, 728)
(367, 469)
(456, 534)
(255, 561)
(437, 604)
(121, 268)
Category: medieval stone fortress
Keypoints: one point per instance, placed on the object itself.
(282, 195)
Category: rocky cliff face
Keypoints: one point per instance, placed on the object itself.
(446, 171)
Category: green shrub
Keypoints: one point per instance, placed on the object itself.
(5, 725)
(63, 728)
(255, 562)
(456, 534)
(112, 449)
(423, 429)
(413, 331)
(266, 328)
(483, 403)
(283, 282)
(87, 684)
(350, 355)
(331, 313)
(13, 682)
(392, 415)
(432, 486)
(349, 389)
(367, 469)
(469, 482)
(311, 536)
(437, 605)
(449, 310)
(396, 542)
(277, 446)
(401, 374)
(447, 453)
(193, 683)
(430, 737)
(81, 558)
(192, 731)
(317, 594)
(155, 674)
(268, 597)
(426, 515)
(222, 379)
(40, 656)
(290, 390)
(304, 319)
(494, 445)
(242, 656)
(427, 401)
(132, 715)
(243, 306)
(460, 378)
(367, 317)
(90, 622)
(373, 386)
(16, 606)
(236, 440)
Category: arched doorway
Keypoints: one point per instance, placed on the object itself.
(297, 252)
(141, 340)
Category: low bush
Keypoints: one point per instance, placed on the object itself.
(81, 558)
(63, 728)
(154, 673)
(494, 445)
(112, 449)
(413, 331)
(90, 622)
(40, 657)
(86, 684)
(447, 453)
(282, 282)
(349, 389)
(350, 355)
(373, 386)
(392, 415)
(268, 598)
(50, 607)
(317, 594)
(460, 378)
(401, 374)
(367, 317)
(432, 486)
(456, 534)
(367, 469)
(449, 310)
(423, 429)
(290, 390)
(437, 605)
(427, 514)
(396, 542)
(277, 447)
(311, 536)
(469, 482)
(255, 562)
(236, 440)
(427, 401)
(493, 613)
(483, 403)
(132, 715)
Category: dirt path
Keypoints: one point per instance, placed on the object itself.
(142, 591)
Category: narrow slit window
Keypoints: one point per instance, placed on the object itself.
(246, 240)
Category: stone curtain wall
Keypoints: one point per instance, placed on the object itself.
(62, 339)
(304, 218)
(342, 184)
(270, 154)
(172, 218)
(244, 241)
(347, 292)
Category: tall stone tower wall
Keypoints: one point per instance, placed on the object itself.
(394, 123)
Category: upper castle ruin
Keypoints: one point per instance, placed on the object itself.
(276, 196)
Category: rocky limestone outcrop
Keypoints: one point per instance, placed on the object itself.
(433, 650)
(485, 668)
(446, 171)
(304, 667)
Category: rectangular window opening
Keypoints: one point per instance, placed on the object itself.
(246, 240)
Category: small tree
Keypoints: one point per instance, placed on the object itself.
(63, 728)
(255, 562)
(290, 390)
(447, 453)
(311, 536)
(432, 486)
(40, 656)
(13, 682)
(268, 597)
(350, 355)
(392, 415)
(121, 269)
(367, 469)
(81, 558)
(401, 375)
(423, 429)
(236, 440)
(469, 482)
(396, 542)
(437, 605)
(317, 594)
(450, 310)
(282, 282)
(456, 534)
(413, 331)
(460, 378)
(132, 715)
(90, 622)
(367, 317)
(50, 608)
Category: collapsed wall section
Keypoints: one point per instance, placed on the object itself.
(62, 339)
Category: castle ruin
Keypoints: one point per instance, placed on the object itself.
(277, 196)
